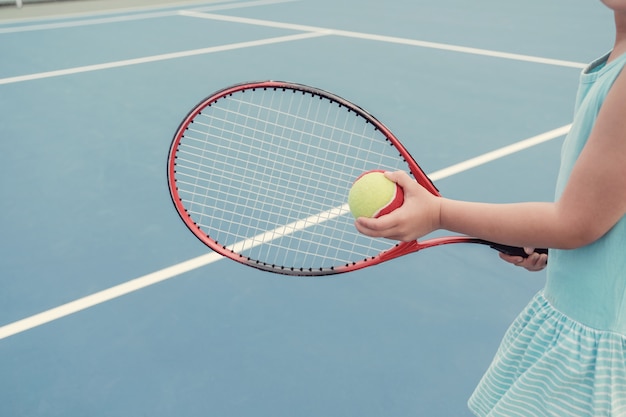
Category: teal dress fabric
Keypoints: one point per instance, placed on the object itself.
(565, 354)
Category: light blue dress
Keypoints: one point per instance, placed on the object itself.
(565, 354)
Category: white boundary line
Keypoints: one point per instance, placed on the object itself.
(156, 58)
(310, 32)
(136, 14)
(209, 258)
(106, 295)
(86, 22)
(101, 12)
(499, 153)
(388, 39)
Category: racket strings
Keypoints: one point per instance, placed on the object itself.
(266, 174)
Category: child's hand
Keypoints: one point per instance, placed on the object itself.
(418, 215)
(534, 262)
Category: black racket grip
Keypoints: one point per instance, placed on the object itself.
(514, 250)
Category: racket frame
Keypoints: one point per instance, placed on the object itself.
(395, 251)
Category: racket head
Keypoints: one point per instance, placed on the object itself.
(260, 173)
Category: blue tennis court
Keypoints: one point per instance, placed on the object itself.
(110, 307)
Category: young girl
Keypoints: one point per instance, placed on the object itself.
(565, 354)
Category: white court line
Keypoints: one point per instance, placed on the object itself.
(106, 295)
(310, 32)
(388, 39)
(499, 153)
(88, 22)
(131, 17)
(209, 258)
(156, 58)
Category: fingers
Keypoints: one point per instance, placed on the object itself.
(534, 262)
(401, 178)
(384, 226)
(417, 216)
(388, 226)
(374, 227)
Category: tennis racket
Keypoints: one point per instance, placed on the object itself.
(260, 173)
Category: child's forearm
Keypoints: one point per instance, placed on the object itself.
(520, 224)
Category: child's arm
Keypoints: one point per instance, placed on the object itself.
(593, 200)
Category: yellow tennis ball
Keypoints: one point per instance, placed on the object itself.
(374, 195)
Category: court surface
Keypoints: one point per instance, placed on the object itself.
(110, 307)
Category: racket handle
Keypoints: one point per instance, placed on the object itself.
(514, 250)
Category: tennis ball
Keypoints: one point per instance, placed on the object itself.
(374, 195)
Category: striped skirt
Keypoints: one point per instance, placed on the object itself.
(551, 365)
